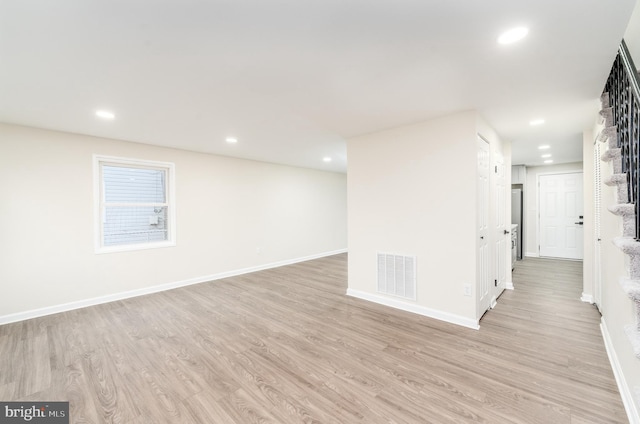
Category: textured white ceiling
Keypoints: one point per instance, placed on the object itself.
(292, 80)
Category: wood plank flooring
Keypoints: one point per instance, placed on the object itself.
(287, 346)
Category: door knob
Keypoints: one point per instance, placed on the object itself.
(506, 232)
(579, 223)
(481, 237)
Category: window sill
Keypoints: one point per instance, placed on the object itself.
(133, 247)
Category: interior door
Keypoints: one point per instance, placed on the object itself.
(502, 234)
(597, 238)
(483, 268)
(561, 216)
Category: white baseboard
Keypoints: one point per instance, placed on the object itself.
(509, 285)
(35, 313)
(588, 298)
(532, 254)
(625, 391)
(494, 302)
(416, 309)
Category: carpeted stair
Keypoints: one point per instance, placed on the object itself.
(626, 210)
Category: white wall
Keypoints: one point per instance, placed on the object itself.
(226, 209)
(412, 191)
(531, 201)
(616, 307)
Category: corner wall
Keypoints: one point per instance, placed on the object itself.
(226, 209)
(412, 191)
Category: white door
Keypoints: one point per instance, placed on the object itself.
(561, 213)
(483, 270)
(502, 235)
(597, 238)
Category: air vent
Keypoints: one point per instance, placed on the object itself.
(397, 275)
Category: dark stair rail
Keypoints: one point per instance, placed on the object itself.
(623, 87)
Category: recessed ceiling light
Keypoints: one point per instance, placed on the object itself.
(548, 161)
(548, 155)
(536, 122)
(105, 114)
(231, 140)
(513, 35)
(326, 159)
(544, 147)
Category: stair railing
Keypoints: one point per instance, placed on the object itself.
(623, 86)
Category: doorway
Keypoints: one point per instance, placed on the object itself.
(483, 267)
(560, 199)
(502, 252)
(597, 237)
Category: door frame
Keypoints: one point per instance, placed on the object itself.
(542, 174)
(501, 255)
(482, 299)
(596, 234)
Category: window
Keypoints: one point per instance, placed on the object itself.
(134, 204)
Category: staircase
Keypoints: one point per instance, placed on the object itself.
(620, 115)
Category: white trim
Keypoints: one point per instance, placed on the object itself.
(587, 298)
(531, 254)
(623, 387)
(132, 247)
(97, 226)
(509, 285)
(416, 309)
(494, 302)
(97, 191)
(35, 313)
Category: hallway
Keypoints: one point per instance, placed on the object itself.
(554, 345)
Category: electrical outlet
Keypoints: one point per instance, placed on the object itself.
(467, 289)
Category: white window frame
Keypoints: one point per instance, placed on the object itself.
(99, 205)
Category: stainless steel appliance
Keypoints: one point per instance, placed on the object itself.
(517, 217)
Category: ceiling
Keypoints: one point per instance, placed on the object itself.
(293, 79)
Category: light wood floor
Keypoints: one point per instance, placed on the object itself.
(287, 346)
